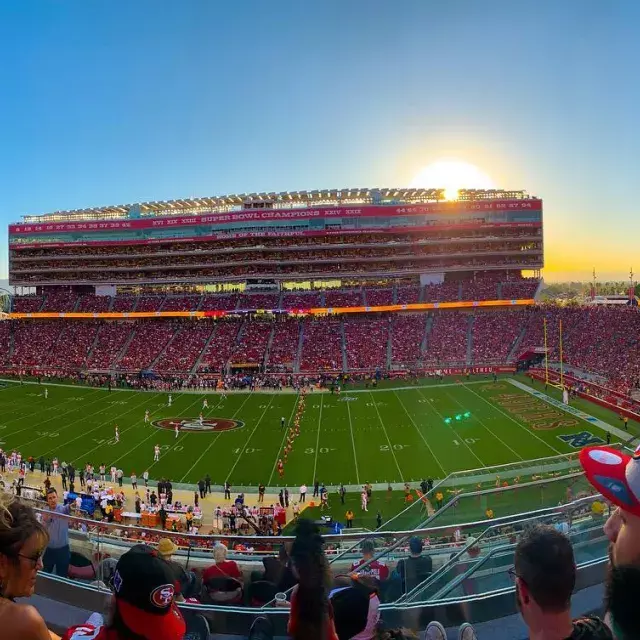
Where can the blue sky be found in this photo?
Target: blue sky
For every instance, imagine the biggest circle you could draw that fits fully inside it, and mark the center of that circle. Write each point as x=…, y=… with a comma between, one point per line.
x=116, y=102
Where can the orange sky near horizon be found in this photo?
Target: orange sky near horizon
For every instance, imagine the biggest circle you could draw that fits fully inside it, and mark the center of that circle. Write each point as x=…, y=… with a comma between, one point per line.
x=583, y=229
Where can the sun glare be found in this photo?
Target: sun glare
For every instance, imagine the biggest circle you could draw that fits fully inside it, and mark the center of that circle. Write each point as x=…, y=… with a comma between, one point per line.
x=451, y=175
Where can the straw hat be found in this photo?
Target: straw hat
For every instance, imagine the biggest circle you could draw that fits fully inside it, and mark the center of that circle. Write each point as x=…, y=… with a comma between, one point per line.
x=166, y=547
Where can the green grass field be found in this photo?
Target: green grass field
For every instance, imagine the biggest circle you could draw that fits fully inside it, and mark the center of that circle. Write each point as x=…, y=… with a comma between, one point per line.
x=361, y=436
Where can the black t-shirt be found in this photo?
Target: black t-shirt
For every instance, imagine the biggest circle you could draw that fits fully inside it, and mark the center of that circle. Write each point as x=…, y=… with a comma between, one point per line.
x=414, y=570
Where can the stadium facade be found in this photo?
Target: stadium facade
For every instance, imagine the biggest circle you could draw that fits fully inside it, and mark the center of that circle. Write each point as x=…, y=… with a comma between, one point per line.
x=358, y=280
x=287, y=240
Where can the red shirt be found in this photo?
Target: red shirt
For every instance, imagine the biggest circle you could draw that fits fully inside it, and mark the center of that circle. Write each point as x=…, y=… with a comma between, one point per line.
x=226, y=569
x=375, y=569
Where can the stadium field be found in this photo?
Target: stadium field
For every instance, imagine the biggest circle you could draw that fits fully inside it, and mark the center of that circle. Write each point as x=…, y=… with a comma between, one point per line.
x=379, y=436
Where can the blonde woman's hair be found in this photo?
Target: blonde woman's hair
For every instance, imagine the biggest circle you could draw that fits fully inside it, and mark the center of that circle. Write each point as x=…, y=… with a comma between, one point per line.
x=219, y=552
x=5, y=515
x=18, y=522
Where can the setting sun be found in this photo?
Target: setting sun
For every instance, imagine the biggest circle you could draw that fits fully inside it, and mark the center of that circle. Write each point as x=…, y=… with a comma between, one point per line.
x=451, y=175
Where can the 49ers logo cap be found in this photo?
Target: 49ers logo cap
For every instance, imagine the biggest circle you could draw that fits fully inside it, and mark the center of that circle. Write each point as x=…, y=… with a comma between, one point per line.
x=144, y=590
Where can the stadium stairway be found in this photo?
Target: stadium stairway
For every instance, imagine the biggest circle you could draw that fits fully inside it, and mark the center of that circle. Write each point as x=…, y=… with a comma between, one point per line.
x=343, y=343
x=95, y=342
x=296, y=363
x=125, y=346
x=166, y=346
x=513, y=352
x=389, y=346
x=267, y=350
x=12, y=344
x=240, y=333
x=61, y=332
x=470, y=339
x=427, y=332
x=196, y=364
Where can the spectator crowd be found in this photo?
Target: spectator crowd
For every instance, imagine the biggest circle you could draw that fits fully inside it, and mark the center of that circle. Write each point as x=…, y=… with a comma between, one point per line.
x=149, y=581
x=597, y=340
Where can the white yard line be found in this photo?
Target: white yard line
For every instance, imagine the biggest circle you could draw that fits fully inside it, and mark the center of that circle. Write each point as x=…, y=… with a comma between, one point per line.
x=346, y=392
x=56, y=417
x=151, y=435
x=393, y=453
x=235, y=464
x=315, y=462
x=44, y=406
x=498, y=438
x=570, y=409
x=69, y=386
x=70, y=424
x=420, y=434
x=213, y=441
x=286, y=431
x=112, y=420
x=353, y=444
x=430, y=405
x=506, y=415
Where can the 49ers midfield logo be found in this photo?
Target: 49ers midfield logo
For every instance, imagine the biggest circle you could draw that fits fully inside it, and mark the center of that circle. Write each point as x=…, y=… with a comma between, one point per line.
x=194, y=424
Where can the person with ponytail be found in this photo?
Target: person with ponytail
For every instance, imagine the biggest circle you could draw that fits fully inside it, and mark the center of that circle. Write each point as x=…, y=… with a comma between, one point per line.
x=311, y=615
x=23, y=540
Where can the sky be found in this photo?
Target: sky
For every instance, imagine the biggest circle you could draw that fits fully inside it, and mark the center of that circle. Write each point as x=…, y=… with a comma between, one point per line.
x=112, y=102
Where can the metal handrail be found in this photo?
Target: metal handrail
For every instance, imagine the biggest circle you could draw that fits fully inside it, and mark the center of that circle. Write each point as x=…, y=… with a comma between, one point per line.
x=547, y=512
x=513, y=487
x=469, y=572
x=506, y=520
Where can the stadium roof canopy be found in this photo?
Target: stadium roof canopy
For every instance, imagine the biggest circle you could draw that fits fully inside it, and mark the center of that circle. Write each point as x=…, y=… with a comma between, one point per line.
x=284, y=200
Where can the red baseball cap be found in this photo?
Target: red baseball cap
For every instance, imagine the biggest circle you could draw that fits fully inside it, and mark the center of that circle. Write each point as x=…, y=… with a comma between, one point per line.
x=616, y=475
x=144, y=590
